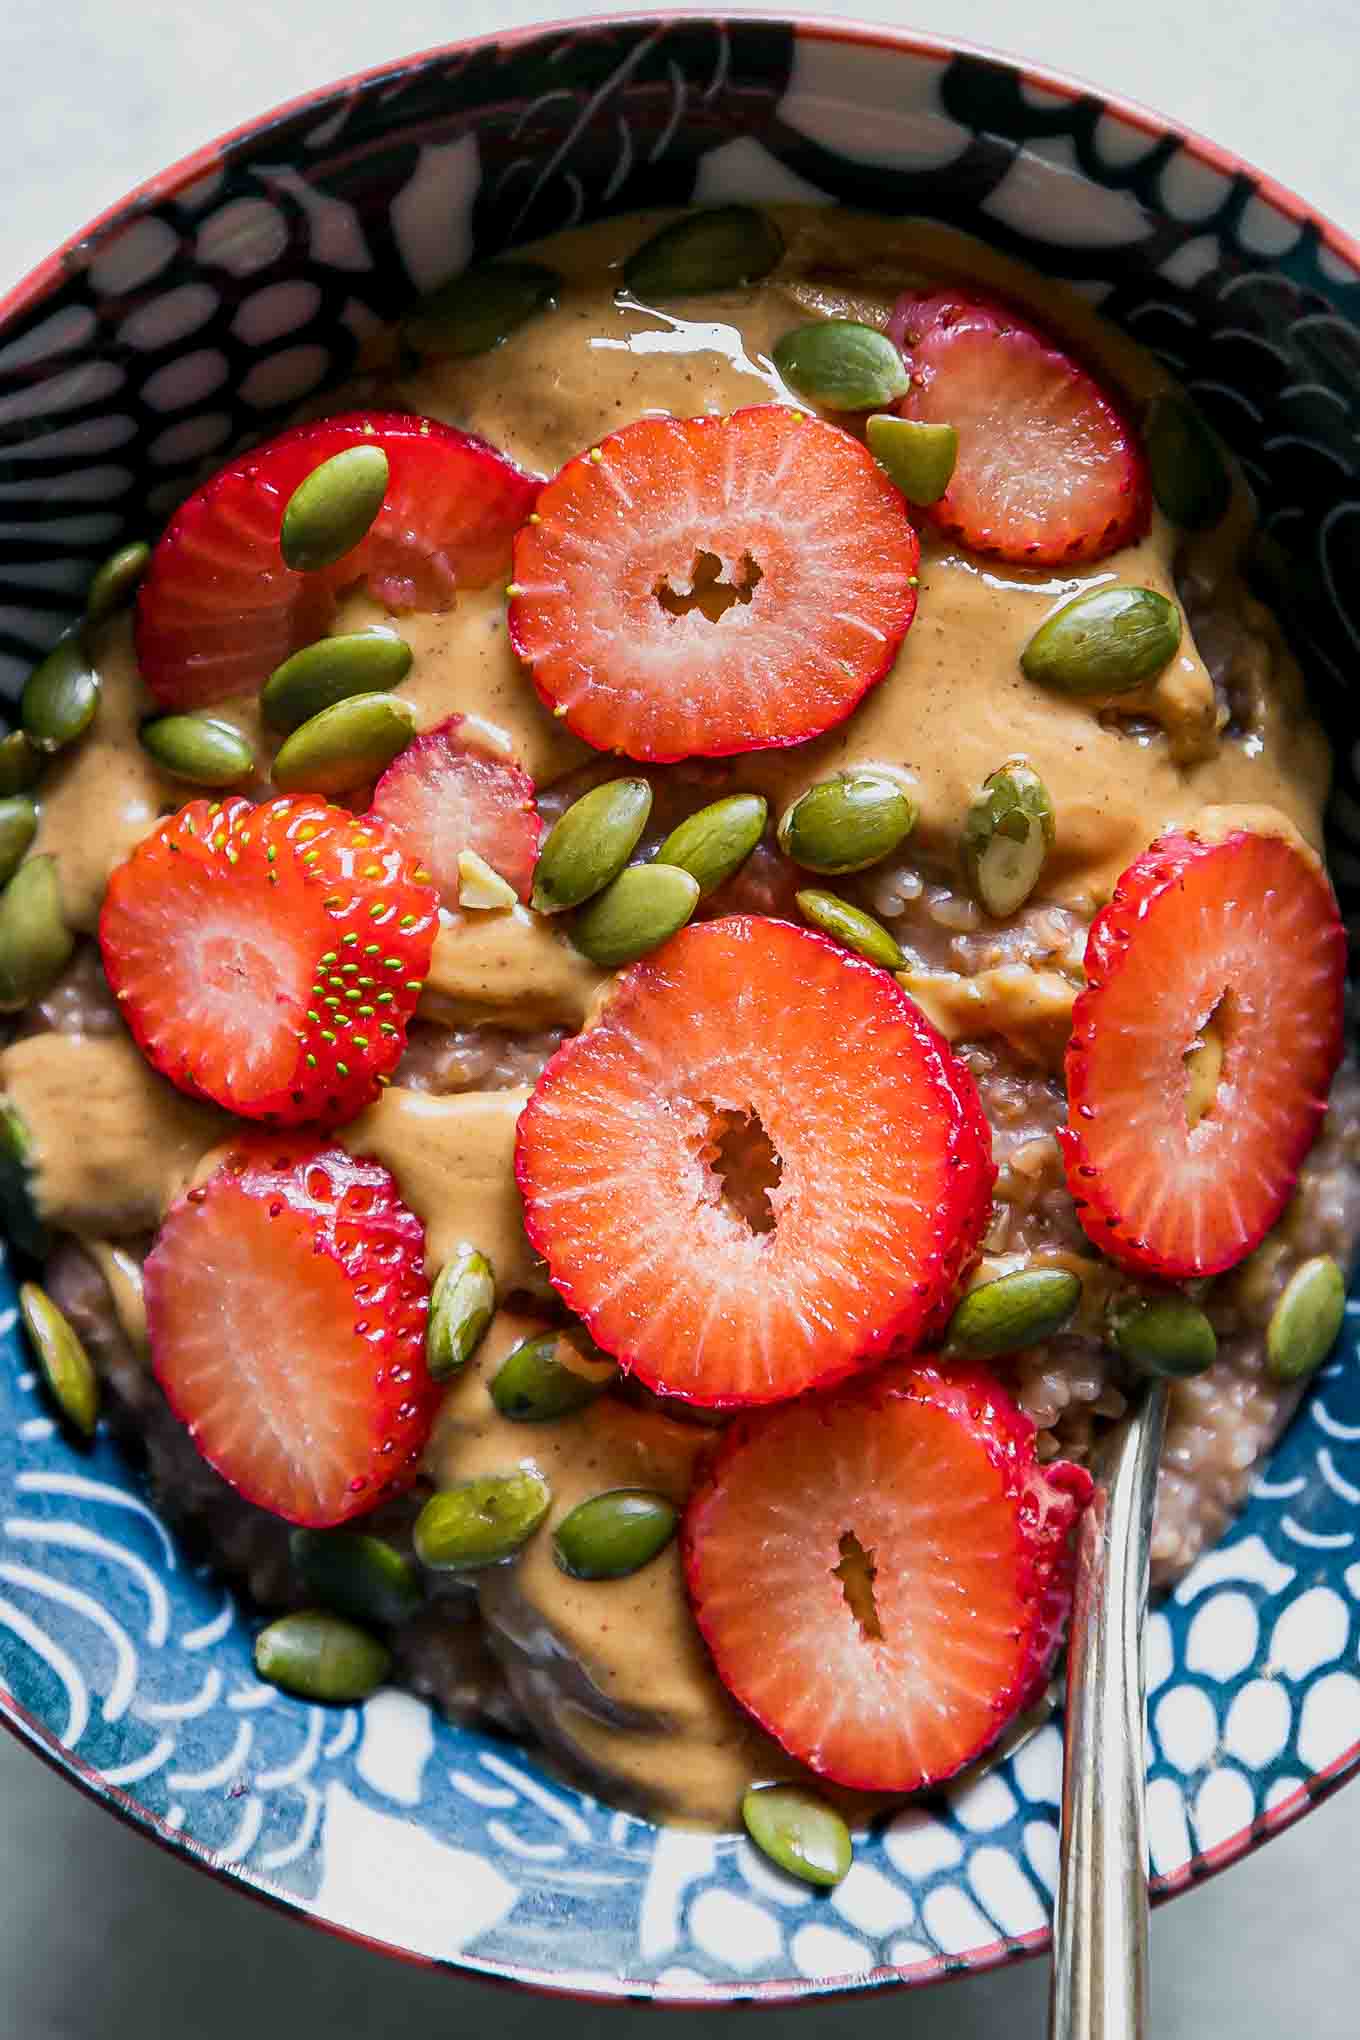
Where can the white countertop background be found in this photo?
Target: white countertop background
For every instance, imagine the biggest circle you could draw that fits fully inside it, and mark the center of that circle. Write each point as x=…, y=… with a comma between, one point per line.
x=102, y=1936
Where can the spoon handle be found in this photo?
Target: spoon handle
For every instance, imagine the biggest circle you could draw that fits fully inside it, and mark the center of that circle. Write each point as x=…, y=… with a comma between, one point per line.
x=1099, y=1989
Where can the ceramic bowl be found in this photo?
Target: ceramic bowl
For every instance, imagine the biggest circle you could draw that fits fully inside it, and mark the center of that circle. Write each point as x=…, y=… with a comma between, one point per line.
x=189, y=321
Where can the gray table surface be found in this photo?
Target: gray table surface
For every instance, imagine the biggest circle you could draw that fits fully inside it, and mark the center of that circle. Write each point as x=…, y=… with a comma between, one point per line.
x=103, y=1937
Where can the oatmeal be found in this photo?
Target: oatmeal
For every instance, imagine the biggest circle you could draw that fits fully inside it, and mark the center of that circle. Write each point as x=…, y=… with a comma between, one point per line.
x=610, y=1671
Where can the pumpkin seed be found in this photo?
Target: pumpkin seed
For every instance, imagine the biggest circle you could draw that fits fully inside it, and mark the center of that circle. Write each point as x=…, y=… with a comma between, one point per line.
x=35, y=942
x=844, y=923
x=1007, y=833
x=549, y=1376
x=642, y=909
x=1165, y=1335
x=60, y=696
x=798, y=1831
x=1108, y=641
x=482, y=1521
x=614, y=1534
x=589, y=844
x=357, y=1575
x=20, y=764
x=481, y=308
x=722, y=248
x=200, y=748
x=1305, y=1322
x=320, y=1656
x=1189, y=474
x=841, y=365
x=331, y=670
x=116, y=582
x=479, y=887
x=847, y=823
x=918, y=457
x=1015, y=1310
x=331, y=510
x=18, y=827
x=345, y=745
x=18, y=1201
x=462, y=1305
x=66, y=1366
x=716, y=841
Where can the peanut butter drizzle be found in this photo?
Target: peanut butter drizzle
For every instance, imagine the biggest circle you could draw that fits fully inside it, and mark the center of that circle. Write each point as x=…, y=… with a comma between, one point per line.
x=696, y=1753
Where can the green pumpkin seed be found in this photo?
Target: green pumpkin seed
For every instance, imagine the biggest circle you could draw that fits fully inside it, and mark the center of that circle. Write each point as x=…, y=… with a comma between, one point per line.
x=1015, y=1310
x=847, y=823
x=356, y=1575
x=35, y=942
x=481, y=308
x=589, y=844
x=481, y=1522
x=329, y=512
x=331, y=670
x=717, y=841
x=549, y=1376
x=1189, y=474
x=344, y=746
x=637, y=913
x=1165, y=1335
x=320, y=1656
x=1304, y=1323
x=1108, y=641
x=60, y=696
x=614, y=1534
x=462, y=1305
x=18, y=827
x=844, y=923
x=918, y=457
x=798, y=1831
x=20, y=764
x=200, y=748
x=66, y=1366
x=18, y=1201
x=1007, y=833
x=723, y=248
x=841, y=365
x=116, y=582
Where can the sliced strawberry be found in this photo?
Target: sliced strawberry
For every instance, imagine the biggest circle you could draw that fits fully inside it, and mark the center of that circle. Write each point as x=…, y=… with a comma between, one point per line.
x=218, y=610
x=286, y=1303
x=697, y=586
x=882, y=1574
x=269, y=958
x=761, y=1166
x=1050, y=470
x=443, y=796
x=1240, y=938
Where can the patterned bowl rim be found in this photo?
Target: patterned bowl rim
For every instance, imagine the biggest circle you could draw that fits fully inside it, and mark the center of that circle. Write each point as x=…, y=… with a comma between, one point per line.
x=27, y=295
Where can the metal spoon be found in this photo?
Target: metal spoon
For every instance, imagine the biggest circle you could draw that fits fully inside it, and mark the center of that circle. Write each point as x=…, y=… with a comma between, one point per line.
x=1100, y=1955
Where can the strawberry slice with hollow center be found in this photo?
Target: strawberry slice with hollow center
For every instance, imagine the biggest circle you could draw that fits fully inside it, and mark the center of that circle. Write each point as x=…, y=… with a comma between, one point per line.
x=882, y=1574
x=444, y=796
x=1228, y=954
x=1050, y=470
x=269, y=958
x=700, y=586
x=218, y=610
x=286, y=1303
x=761, y=1166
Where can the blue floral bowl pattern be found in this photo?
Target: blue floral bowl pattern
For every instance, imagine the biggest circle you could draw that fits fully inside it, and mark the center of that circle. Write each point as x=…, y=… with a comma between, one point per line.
x=193, y=319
